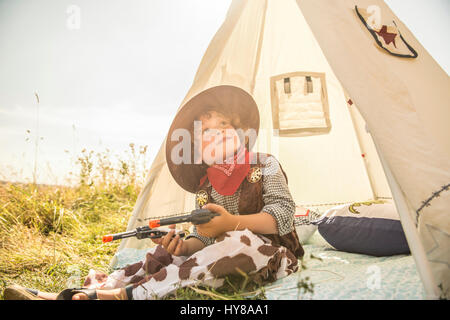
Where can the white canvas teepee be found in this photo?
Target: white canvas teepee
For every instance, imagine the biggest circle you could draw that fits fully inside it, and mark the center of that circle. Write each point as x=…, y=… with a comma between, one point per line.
x=347, y=120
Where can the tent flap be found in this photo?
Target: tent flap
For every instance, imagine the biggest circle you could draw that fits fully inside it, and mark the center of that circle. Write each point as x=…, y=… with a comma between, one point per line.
x=406, y=104
x=323, y=129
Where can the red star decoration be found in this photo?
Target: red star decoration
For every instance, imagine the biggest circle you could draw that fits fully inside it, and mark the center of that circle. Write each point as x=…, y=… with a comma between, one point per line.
x=387, y=37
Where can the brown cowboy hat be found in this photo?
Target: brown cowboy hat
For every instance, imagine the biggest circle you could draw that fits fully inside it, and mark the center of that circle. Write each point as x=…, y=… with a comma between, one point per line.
x=226, y=99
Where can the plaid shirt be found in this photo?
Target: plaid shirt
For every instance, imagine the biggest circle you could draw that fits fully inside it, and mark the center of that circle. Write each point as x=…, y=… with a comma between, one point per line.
x=277, y=199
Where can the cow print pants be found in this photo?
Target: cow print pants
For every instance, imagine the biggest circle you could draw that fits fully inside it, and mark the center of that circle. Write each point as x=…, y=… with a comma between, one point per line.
x=161, y=273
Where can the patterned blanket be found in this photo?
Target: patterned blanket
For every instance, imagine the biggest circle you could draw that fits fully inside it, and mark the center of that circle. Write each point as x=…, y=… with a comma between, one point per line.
x=336, y=275
x=348, y=276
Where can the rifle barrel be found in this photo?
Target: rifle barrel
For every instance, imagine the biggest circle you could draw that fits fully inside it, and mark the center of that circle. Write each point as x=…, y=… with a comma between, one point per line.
x=197, y=216
x=117, y=236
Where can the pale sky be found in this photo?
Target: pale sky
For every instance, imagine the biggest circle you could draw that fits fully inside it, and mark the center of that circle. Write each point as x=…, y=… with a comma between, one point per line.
x=118, y=73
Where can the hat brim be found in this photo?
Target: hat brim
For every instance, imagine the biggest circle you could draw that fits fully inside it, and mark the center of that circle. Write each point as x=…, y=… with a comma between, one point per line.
x=223, y=97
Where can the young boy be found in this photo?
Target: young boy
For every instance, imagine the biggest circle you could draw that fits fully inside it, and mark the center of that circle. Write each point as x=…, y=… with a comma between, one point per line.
x=254, y=232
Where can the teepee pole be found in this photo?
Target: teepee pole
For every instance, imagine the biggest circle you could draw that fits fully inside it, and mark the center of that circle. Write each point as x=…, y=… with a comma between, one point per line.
x=412, y=236
x=361, y=149
x=139, y=206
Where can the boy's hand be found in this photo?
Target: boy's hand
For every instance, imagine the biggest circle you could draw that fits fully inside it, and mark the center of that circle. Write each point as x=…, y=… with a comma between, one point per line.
x=217, y=225
x=173, y=245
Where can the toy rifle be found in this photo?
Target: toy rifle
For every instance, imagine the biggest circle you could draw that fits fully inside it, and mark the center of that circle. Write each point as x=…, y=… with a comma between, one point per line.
x=197, y=216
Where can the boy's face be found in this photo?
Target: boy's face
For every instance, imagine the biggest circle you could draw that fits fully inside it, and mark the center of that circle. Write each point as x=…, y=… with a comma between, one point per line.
x=219, y=138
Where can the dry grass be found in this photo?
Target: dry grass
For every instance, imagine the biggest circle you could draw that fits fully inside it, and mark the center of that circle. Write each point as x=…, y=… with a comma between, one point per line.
x=51, y=235
x=45, y=242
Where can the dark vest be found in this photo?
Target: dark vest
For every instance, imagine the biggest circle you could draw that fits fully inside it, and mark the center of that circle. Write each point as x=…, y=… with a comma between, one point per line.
x=251, y=201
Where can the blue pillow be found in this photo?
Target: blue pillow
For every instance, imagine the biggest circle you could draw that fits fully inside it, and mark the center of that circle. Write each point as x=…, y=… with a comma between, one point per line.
x=371, y=228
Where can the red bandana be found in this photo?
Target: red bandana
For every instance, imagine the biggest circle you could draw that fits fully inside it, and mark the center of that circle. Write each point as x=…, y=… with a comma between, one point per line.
x=226, y=178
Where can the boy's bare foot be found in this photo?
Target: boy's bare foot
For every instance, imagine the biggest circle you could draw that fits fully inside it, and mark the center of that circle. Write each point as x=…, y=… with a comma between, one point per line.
x=80, y=296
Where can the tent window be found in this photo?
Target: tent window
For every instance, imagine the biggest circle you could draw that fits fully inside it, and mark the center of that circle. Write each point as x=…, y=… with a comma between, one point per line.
x=300, y=103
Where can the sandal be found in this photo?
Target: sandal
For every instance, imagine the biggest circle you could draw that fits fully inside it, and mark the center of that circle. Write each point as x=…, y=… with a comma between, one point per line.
x=16, y=292
x=67, y=294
